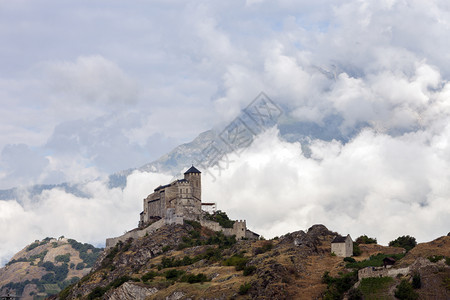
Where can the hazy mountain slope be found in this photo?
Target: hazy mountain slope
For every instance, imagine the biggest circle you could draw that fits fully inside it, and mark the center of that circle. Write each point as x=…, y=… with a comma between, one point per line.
x=194, y=152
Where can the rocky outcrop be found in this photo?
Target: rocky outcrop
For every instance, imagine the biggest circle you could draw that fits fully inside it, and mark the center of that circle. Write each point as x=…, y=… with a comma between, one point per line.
x=130, y=257
x=308, y=242
x=132, y=291
x=273, y=277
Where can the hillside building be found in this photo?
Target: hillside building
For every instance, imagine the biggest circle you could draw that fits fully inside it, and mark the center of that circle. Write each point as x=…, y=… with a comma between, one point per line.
x=342, y=246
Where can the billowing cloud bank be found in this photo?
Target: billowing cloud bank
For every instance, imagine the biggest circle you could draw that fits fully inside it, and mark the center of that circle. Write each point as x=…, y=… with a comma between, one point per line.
x=375, y=184
x=79, y=92
x=104, y=213
x=374, y=74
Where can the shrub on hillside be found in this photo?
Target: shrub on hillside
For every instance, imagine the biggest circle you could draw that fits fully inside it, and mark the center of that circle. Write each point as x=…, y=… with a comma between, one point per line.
x=238, y=261
x=355, y=294
x=49, y=266
x=364, y=239
x=63, y=258
x=173, y=274
x=195, y=224
x=349, y=259
x=250, y=270
x=149, y=276
x=221, y=218
x=356, y=250
x=32, y=246
x=337, y=286
x=267, y=246
x=435, y=258
x=370, y=287
x=191, y=278
x=416, y=281
x=406, y=241
x=88, y=253
x=98, y=292
x=405, y=291
x=244, y=288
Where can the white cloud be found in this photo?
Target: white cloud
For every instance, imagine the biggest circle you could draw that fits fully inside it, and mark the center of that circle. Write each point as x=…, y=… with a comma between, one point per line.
x=92, y=79
x=105, y=213
x=375, y=184
x=92, y=90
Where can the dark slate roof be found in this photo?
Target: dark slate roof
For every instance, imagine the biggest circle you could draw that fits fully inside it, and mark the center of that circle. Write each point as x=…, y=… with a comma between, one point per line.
x=182, y=180
x=192, y=170
x=252, y=232
x=389, y=259
x=339, y=239
x=161, y=187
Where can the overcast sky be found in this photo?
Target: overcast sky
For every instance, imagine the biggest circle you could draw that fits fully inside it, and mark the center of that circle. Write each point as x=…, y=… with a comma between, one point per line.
x=88, y=88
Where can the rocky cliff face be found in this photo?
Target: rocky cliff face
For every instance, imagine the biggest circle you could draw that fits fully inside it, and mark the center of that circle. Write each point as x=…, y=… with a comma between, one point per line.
x=192, y=262
x=132, y=291
x=188, y=261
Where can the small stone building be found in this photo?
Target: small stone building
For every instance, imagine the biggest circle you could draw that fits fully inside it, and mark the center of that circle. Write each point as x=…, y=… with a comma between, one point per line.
x=388, y=262
x=342, y=246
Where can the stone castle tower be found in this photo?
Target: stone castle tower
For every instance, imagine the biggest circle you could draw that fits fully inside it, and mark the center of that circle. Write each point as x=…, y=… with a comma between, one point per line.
x=194, y=177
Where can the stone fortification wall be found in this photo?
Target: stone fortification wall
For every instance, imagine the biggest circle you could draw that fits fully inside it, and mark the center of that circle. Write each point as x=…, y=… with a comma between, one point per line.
x=239, y=228
x=214, y=226
x=135, y=234
x=381, y=272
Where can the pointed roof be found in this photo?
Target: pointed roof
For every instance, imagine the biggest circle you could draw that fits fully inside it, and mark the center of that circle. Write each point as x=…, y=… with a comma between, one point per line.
x=192, y=170
x=340, y=239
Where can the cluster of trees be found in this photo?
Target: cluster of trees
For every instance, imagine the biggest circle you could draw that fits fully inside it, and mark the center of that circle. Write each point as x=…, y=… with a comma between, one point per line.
x=222, y=218
x=56, y=273
x=88, y=253
x=195, y=238
x=405, y=241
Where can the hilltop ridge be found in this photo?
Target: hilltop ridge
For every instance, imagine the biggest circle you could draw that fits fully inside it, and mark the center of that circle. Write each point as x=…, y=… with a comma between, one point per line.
x=189, y=261
x=45, y=267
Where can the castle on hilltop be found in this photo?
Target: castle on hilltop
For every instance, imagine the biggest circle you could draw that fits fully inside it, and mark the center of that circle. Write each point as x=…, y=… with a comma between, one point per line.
x=182, y=197
x=178, y=201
